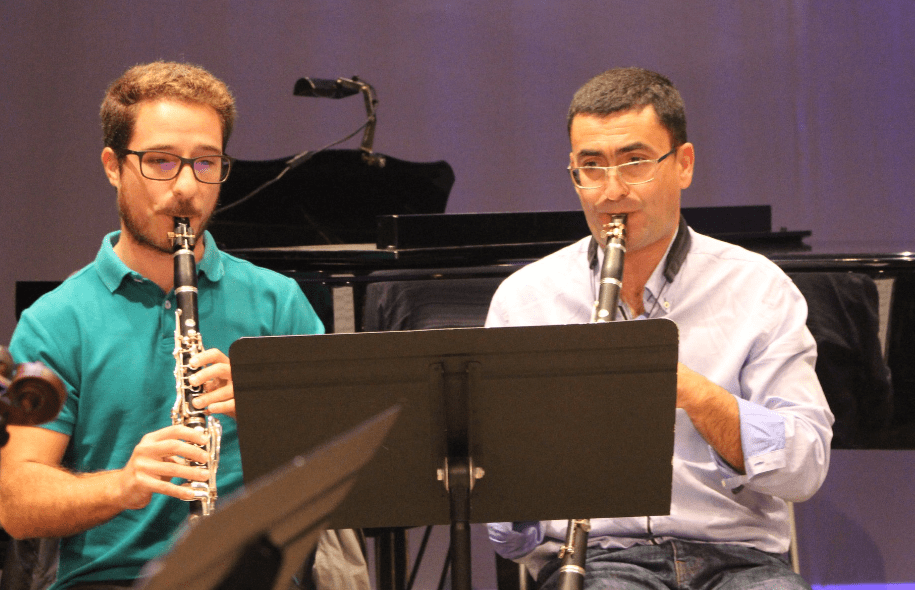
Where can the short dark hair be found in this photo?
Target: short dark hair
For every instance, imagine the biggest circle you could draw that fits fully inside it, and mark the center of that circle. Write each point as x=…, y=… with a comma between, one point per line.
x=162, y=80
x=624, y=89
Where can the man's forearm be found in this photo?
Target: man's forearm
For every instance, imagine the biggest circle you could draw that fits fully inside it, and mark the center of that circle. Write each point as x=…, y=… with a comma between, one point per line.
x=715, y=414
x=38, y=500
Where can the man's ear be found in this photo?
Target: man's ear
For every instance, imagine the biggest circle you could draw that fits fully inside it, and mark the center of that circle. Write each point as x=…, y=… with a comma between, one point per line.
x=686, y=158
x=112, y=167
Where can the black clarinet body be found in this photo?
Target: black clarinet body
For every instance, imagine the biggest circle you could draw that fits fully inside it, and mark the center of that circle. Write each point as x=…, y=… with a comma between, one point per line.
x=611, y=274
x=189, y=342
x=574, y=552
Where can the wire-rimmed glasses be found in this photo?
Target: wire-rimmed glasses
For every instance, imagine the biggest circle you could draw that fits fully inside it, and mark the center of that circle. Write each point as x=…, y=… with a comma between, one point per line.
x=595, y=177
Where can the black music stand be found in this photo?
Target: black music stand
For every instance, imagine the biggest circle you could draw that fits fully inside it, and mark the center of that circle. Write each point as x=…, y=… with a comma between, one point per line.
x=539, y=423
x=264, y=534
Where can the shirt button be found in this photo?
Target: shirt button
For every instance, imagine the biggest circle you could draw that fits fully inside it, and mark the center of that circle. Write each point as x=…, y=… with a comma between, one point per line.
x=168, y=305
x=666, y=305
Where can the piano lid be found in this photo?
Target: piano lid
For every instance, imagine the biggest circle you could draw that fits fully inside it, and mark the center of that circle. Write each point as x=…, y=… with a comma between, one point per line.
x=749, y=226
x=334, y=197
x=463, y=239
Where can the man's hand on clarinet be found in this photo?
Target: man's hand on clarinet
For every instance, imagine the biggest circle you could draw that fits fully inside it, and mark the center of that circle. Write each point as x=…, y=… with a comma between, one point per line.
x=156, y=460
x=215, y=375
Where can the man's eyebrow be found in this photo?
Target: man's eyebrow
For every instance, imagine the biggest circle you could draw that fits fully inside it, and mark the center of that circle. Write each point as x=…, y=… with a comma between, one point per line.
x=171, y=149
x=626, y=149
x=633, y=147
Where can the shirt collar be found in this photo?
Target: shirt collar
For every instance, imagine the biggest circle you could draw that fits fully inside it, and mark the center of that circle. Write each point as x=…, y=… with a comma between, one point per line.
x=662, y=274
x=211, y=265
x=113, y=271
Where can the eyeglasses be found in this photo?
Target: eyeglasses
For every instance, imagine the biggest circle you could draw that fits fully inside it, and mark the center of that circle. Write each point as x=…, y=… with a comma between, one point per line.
x=638, y=172
x=165, y=166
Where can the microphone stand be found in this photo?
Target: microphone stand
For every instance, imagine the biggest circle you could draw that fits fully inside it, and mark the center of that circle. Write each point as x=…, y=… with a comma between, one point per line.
x=340, y=88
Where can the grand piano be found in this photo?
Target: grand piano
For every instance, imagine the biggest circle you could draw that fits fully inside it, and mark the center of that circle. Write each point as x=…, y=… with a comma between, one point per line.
x=384, y=256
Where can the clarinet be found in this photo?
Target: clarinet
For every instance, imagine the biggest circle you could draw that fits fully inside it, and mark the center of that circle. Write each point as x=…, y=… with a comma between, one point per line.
x=611, y=273
x=188, y=343
x=574, y=551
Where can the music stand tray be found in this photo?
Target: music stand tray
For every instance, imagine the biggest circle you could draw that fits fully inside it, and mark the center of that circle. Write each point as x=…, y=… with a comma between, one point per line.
x=547, y=422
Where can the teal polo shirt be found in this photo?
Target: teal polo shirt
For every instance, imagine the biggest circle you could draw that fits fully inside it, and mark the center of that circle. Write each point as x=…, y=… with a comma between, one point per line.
x=108, y=332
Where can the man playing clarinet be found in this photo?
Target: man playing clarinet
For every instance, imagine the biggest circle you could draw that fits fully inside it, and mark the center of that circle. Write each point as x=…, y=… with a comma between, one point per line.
x=753, y=428
x=107, y=475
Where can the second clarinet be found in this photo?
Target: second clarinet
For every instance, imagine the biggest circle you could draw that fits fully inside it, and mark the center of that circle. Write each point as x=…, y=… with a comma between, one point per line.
x=574, y=551
x=611, y=274
x=188, y=343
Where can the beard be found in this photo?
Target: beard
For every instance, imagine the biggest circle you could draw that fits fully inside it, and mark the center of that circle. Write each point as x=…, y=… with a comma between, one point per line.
x=141, y=232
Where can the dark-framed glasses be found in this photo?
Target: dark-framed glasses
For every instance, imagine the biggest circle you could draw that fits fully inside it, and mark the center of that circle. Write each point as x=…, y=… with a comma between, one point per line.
x=637, y=172
x=156, y=165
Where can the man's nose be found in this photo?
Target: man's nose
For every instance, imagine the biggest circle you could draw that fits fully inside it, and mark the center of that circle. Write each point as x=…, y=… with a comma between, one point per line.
x=615, y=189
x=186, y=182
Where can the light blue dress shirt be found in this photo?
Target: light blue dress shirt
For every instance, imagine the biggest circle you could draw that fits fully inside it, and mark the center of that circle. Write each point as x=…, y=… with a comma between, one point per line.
x=742, y=324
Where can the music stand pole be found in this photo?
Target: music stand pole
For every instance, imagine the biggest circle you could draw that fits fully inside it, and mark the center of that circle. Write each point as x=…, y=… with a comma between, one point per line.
x=456, y=384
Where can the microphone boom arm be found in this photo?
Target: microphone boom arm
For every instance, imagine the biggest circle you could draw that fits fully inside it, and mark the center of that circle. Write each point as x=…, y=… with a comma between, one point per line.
x=341, y=88
x=368, y=136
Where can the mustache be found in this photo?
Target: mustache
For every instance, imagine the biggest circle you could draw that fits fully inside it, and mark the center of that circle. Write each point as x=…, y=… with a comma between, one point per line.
x=182, y=212
x=181, y=208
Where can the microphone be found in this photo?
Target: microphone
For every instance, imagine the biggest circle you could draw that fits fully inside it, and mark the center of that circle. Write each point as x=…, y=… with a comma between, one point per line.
x=322, y=88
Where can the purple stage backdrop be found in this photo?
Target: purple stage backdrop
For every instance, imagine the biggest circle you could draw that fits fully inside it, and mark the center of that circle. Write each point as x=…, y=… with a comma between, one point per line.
x=804, y=105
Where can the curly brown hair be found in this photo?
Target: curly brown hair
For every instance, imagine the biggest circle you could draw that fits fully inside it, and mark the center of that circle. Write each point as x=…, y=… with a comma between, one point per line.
x=162, y=80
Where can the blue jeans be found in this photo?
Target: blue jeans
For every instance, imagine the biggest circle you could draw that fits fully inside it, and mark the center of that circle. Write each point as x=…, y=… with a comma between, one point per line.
x=681, y=565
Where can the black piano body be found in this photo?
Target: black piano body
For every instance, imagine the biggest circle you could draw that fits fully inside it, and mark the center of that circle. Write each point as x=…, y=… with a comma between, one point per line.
x=440, y=270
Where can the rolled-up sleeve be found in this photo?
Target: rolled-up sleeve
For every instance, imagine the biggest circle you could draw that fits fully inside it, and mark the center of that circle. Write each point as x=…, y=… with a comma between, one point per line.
x=513, y=540
x=785, y=421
